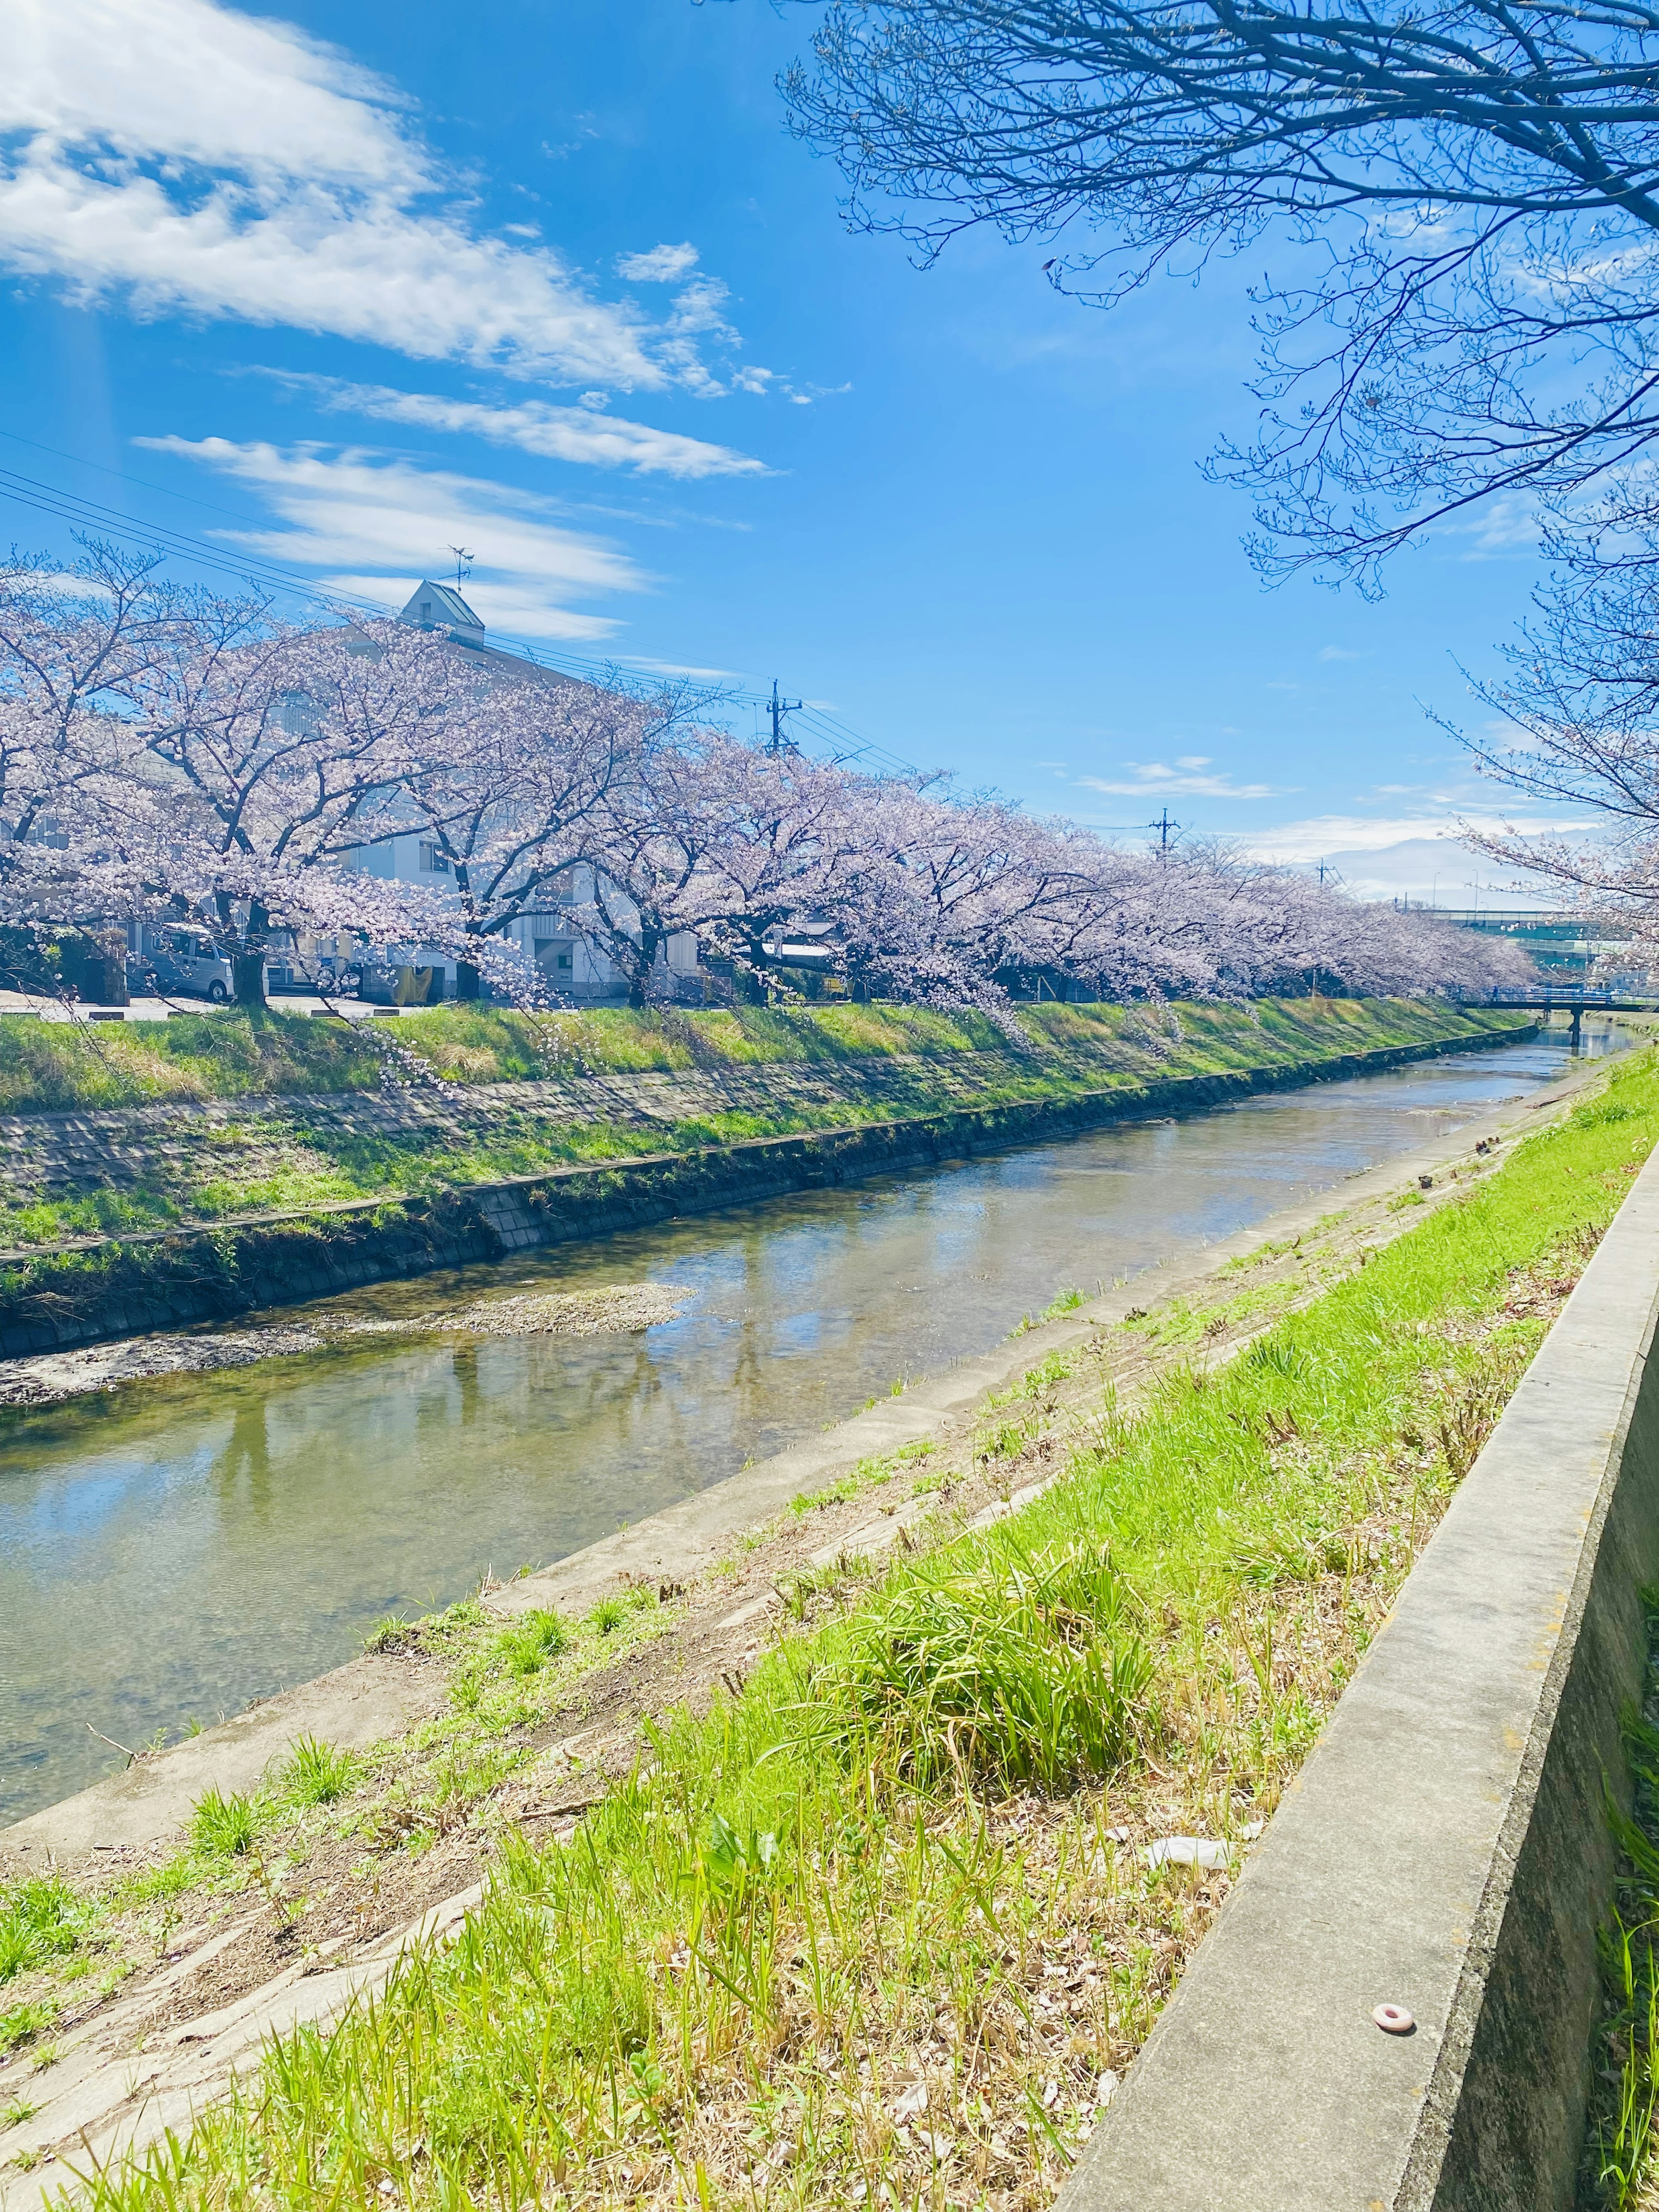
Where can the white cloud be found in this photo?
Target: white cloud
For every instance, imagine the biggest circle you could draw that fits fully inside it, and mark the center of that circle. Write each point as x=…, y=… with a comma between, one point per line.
x=1323, y=834
x=374, y=527
x=1415, y=856
x=186, y=158
x=1340, y=652
x=1188, y=778
x=677, y=668
x=662, y=265
x=584, y=433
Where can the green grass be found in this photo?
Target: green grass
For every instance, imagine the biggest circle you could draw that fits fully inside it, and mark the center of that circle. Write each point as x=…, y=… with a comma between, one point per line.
x=316, y=1773
x=288, y=1158
x=39, y=1917
x=228, y=1054
x=820, y=1890
x=223, y=1827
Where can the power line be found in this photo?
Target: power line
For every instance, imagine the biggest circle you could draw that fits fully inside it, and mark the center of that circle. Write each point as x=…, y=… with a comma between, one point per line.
x=845, y=746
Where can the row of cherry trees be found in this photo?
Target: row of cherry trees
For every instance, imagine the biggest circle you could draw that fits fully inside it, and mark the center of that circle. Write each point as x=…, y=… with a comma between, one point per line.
x=165, y=754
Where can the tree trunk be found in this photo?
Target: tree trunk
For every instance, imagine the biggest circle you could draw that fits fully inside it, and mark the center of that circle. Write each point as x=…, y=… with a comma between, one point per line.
x=247, y=979
x=469, y=982
x=247, y=967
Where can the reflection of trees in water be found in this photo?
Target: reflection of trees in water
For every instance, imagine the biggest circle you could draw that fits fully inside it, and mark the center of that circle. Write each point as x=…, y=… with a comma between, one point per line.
x=242, y=1467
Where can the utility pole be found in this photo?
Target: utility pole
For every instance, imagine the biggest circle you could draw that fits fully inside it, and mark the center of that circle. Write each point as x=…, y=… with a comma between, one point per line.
x=779, y=708
x=1163, y=825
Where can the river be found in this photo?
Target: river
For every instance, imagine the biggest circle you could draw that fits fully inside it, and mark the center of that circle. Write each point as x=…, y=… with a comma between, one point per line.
x=177, y=1548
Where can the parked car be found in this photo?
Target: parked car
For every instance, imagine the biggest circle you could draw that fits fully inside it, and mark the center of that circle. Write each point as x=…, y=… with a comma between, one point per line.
x=182, y=959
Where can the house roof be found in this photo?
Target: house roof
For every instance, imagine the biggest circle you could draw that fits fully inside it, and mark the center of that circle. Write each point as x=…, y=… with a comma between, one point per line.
x=441, y=606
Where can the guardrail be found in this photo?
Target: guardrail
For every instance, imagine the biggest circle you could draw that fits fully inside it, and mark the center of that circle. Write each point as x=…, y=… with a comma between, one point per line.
x=1445, y=1850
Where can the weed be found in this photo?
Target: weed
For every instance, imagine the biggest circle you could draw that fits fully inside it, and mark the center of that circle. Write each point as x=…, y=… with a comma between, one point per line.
x=1014, y=1668
x=527, y=1647
x=38, y=1916
x=608, y=1615
x=170, y=1879
x=867, y=1475
x=391, y=1633
x=317, y=1773
x=24, y=2022
x=222, y=1827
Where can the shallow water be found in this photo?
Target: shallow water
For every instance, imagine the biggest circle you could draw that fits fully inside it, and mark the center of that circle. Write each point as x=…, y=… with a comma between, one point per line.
x=181, y=1546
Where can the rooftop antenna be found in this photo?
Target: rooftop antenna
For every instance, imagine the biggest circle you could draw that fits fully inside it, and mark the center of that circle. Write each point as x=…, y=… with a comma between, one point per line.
x=462, y=563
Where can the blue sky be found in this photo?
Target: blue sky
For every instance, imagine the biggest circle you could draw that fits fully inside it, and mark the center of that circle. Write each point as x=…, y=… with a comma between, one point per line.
x=553, y=282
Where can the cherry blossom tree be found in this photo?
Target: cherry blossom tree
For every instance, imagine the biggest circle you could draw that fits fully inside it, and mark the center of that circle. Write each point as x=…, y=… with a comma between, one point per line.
x=502, y=791
x=78, y=646
x=166, y=754
x=269, y=749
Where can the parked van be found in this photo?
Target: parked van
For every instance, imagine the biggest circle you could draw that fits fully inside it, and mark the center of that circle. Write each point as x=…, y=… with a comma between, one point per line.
x=182, y=959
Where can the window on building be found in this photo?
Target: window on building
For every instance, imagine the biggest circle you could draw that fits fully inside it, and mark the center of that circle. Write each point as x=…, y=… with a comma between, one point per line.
x=434, y=861
x=554, y=952
x=296, y=711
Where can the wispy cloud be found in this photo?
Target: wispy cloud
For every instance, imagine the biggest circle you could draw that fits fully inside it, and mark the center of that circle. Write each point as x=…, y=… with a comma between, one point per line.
x=662, y=265
x=1340, y=652
x=374, y=527
x=1193, y=775
x=677, y=668
x=1321, y=836
x=184, y=157
x=585, y=433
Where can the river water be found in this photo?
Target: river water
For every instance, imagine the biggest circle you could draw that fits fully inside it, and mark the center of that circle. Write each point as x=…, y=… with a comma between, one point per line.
x=177, y=1548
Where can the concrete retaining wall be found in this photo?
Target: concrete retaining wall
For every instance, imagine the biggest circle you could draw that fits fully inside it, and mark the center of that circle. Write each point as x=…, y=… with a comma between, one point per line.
x=170, y=1278
x=1445, y=1848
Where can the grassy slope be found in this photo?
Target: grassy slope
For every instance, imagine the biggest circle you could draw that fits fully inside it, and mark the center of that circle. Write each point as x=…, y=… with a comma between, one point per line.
x=51, y=1066
x=283, y=1159
x=866, y=1926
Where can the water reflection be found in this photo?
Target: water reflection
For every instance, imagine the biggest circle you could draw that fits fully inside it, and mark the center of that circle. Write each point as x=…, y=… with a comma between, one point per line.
x=181, y=1547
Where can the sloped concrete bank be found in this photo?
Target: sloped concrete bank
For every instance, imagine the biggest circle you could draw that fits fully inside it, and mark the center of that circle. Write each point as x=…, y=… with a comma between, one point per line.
x=165, y=1279
x=1446, y=1848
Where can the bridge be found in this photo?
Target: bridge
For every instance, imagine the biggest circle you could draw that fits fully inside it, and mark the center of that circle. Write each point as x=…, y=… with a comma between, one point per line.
x=1576, y=1003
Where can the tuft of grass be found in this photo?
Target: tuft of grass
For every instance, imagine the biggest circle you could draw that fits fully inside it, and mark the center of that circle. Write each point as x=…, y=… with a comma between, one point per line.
x=868, y=1474
x=1012, y=1668
x=391, y=1633
x=316, y=1773
x=529, y=1644
x=24, y=2022
x=39, y=1917
x=223, y=1827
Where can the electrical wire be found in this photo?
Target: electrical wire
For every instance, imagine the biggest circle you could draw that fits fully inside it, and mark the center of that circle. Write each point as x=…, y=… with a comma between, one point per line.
x=845, y=746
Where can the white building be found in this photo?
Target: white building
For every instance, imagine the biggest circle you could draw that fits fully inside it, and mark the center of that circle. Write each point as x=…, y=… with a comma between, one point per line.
x=576, y=968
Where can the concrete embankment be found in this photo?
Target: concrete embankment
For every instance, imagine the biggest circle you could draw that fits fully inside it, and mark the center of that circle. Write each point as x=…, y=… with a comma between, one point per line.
x=66, y=1296
x=1446, y=1849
